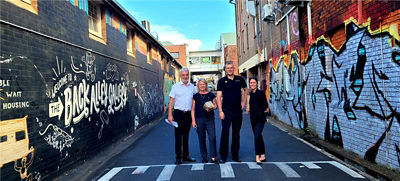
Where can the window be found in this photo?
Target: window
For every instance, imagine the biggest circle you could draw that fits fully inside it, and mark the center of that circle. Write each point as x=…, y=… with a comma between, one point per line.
x=108, y=17
x=205, y=59
x=215, y=60
x=3, y=138
x=247, y=33
x=168, y=66
x=242, y=42
x=129, y=42
x=20, y=135
x=94, y=19
x=175, y=54
x=148, y=53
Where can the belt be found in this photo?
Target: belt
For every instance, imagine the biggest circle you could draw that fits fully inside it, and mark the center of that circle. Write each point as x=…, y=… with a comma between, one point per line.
x=181, y=110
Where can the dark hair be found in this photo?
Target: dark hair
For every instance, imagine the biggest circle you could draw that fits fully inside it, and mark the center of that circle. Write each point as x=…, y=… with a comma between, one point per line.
x=253, y=77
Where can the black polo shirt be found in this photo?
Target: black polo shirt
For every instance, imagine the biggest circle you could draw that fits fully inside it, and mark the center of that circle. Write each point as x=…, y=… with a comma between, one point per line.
x=231, y=92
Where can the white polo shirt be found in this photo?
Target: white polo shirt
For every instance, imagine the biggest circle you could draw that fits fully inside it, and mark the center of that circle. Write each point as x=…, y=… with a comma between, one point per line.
x=183, y=95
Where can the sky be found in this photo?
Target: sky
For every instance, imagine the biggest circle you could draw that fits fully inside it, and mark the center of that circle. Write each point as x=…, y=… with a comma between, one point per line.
x=198, y=23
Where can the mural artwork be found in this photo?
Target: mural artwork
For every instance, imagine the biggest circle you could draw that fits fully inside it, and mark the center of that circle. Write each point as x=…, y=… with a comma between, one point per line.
x=358, y=80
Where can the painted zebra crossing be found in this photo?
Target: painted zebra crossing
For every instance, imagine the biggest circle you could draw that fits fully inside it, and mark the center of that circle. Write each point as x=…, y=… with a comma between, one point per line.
x=227, y=171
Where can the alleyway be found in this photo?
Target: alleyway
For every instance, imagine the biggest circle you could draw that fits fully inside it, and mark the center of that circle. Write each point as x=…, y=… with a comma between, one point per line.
x=152, y=158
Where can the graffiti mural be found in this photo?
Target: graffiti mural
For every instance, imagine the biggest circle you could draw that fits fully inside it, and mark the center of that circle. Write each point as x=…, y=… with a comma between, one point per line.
x=74, y=99
x=355, y=85
x=168, y=83
x=14, y=146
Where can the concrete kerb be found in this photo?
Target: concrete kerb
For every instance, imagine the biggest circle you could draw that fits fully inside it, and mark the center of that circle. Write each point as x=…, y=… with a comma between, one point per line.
x=89, y=167
x=321, y=145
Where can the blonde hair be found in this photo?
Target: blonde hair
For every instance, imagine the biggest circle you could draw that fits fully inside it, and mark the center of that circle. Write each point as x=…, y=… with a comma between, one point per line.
x=198, y=83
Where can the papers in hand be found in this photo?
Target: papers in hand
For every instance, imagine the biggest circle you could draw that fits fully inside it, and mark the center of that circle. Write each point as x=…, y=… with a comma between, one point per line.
x=175, y=124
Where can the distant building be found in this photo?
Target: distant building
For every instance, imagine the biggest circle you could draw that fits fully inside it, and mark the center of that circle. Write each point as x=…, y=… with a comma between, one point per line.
x=178, y=52
x=229, y=50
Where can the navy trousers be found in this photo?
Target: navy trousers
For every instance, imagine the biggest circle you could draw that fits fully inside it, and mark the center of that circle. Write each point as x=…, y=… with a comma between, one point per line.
x=206, y=126
x=236, y=120
x=258, y=126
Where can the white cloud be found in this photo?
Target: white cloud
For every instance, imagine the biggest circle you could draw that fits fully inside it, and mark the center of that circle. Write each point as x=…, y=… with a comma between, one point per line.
x=168, y=33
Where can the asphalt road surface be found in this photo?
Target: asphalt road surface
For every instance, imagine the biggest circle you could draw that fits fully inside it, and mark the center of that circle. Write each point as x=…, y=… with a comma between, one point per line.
x=152, y=157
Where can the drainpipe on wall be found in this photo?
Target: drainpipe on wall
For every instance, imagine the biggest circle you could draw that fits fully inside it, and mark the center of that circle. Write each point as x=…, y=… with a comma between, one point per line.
x=309, y=23
x=359, y=10
x=309, y=20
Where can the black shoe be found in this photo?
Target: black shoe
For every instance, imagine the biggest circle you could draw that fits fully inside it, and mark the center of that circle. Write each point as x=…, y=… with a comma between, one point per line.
x=204, y=161
x=214, y=161
x=222, y=161
x=259, y=163
x=265, y=160
x=189, y=159
x=236, y=160
x=178, y=161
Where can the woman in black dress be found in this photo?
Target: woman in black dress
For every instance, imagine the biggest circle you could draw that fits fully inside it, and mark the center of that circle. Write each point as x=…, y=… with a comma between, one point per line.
x=258, y=105
x=203, y=119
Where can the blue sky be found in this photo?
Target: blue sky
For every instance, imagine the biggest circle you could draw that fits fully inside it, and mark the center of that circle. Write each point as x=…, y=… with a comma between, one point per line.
x=198, y=23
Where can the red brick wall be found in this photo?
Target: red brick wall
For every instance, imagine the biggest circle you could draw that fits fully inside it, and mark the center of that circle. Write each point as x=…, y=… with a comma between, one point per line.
x=181, y=49
x=230, y=54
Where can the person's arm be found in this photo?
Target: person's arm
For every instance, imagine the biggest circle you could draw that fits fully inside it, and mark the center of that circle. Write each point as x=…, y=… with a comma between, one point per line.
x=194, y=125
x=264, y=103
x=219, y=101
x=245, y=92
x=170, y=106
x=215, y=103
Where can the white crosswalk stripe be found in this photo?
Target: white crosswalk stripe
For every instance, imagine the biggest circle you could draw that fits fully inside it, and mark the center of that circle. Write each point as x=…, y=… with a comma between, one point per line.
x=110, y=174
x=140, y=170
x=346, y=169
x=253, y=165
x=227, y=171
x=289, y=172
x=166, y=173
x=198, y=166
x=310, y=165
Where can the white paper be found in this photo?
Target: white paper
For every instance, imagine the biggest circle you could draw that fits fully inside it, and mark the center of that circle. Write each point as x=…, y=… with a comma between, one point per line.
x=175, y=124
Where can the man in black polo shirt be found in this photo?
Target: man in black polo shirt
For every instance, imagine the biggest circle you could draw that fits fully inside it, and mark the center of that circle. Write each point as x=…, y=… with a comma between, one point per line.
x=230, y=106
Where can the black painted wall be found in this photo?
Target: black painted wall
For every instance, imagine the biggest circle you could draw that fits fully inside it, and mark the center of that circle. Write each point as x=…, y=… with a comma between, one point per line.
x=62, y=90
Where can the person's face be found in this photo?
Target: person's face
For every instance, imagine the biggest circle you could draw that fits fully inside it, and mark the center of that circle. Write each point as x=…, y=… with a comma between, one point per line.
x=229, y=69
x=185, y=77
x=202, y=86
x=253, y=84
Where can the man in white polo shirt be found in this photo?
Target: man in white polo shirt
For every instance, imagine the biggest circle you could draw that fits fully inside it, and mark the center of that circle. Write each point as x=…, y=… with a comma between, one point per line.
x=181, y=101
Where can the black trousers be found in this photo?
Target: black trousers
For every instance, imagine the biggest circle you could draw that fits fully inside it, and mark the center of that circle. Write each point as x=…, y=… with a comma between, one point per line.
x=184, y=121
x=258, y=126
x=206, y=125
x=236, y=120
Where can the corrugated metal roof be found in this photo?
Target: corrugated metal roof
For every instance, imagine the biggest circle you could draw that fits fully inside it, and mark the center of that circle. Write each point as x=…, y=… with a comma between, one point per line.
x=228, y=38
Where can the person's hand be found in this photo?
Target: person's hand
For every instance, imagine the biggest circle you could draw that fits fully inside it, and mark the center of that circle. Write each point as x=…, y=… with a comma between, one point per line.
x=170, y=118
x=194, y=125
x=221, y=115
x=243, y=104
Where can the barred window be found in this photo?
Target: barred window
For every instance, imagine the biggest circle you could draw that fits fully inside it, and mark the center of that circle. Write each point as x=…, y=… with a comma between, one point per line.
x=94, y=19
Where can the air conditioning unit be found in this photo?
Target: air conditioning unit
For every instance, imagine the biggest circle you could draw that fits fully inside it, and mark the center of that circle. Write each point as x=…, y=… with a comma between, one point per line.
x=268, y=13
x=251, y=8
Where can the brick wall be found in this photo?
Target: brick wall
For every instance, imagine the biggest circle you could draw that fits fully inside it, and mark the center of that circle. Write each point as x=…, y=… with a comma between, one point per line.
x=342, y=81
x=70, y=96
x=230, y=54
x=181, y=49
x=246, y=41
